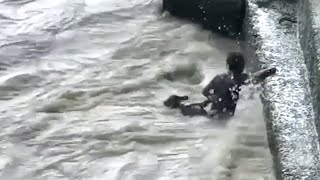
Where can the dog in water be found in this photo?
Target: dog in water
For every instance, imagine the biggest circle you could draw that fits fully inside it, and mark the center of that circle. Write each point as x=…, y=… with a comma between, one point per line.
x=223, y=90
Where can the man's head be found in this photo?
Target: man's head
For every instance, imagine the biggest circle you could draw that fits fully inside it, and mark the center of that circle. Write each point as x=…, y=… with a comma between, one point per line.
x=235, y=62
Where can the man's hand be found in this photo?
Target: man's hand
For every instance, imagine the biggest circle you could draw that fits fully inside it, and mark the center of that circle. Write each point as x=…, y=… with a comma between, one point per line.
x=212, y=98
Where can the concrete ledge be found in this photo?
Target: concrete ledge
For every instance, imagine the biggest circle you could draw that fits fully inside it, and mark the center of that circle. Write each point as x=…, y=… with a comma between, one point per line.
x=309, y=34
x=286, y=97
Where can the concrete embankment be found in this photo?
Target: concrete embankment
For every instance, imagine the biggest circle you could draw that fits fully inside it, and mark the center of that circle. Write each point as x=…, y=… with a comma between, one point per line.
x=272, y=34
x=282, y=34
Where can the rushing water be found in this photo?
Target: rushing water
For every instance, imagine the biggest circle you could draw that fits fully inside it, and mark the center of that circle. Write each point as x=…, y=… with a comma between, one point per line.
x=81, y=90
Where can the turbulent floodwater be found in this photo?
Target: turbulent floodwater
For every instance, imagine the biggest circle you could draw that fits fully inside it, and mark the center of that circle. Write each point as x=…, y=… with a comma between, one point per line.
x=81, y=90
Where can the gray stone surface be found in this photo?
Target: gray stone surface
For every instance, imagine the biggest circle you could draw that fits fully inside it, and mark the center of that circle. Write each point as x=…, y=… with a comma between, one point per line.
x=287, y=100
x=309, y=27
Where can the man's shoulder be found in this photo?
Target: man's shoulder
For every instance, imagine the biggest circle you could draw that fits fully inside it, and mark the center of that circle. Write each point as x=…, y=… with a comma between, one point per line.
x=222, y=80
x=222, y=76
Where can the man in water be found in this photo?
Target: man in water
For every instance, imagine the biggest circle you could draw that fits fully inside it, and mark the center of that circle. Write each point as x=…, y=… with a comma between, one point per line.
x=222, y=91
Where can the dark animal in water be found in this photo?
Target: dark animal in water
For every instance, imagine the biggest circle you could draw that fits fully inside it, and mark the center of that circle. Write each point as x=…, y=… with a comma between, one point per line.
x=175, y=101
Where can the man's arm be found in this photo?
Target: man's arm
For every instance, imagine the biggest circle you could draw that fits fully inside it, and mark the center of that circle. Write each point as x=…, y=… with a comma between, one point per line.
x=202, y=104
x=245, y=79
x=258, y=76
x=263, y=74
x=206, y=90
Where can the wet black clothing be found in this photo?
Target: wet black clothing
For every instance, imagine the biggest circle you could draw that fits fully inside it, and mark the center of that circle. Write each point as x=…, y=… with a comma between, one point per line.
x=223, y=91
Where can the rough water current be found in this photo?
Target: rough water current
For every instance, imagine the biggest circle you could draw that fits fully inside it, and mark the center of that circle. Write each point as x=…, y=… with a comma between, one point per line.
x=81, y=90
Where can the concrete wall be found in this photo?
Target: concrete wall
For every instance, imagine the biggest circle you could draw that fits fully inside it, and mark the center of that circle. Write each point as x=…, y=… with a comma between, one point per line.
x=221, y=16
x=309, y=36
